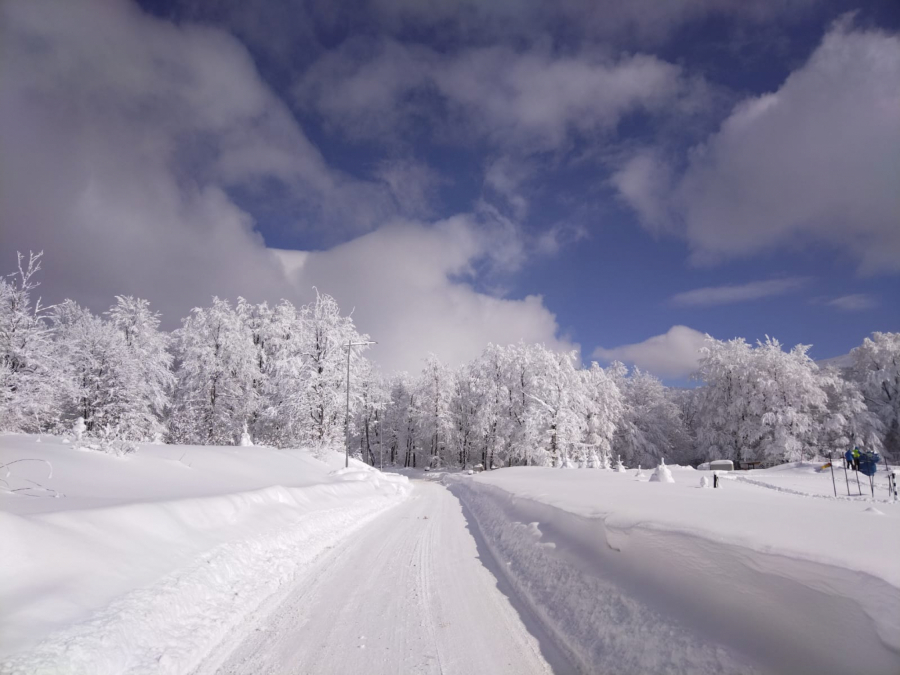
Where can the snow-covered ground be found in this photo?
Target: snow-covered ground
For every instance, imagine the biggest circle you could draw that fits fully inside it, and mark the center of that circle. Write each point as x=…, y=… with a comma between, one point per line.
x=201, y=560
x=413, y=593
x=636, y=576
x=144, y=563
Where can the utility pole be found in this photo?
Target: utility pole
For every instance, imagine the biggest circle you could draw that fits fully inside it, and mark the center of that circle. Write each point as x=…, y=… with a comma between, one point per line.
x=350, y=346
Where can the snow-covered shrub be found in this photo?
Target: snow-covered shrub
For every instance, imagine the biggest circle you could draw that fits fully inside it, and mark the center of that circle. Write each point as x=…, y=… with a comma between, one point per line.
x=662, y=474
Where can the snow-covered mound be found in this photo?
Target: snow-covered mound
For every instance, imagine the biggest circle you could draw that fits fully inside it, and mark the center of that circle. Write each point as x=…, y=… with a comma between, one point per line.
x=143, y=563
x=726, y=580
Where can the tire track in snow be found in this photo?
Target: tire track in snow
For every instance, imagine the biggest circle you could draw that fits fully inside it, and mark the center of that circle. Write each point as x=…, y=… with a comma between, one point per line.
x=408, y=595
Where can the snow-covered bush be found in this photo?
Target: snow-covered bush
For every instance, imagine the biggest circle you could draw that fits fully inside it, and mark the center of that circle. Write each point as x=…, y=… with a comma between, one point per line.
x=662, y=474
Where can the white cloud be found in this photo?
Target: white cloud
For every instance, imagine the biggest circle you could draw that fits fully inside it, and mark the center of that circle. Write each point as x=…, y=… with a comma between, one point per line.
x=120, y=169
x=122, y=136
x=724, y=295
x=530, y=100
x=817, y=160
x=645, y=182
x=854, y=303
x=675, y=353
x=408, y=285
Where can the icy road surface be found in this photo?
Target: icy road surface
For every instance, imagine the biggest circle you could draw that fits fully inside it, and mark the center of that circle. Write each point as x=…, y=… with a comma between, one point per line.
x=412, y=593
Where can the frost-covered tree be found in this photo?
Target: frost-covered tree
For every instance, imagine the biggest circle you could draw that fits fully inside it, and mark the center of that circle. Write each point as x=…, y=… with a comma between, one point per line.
x=651, y=426
x=490, y=385
x=400, y=430
x=104, y=377
x=216, y=368
x=525, y=424
x=847, y=421
x=29, y=373
x=560, y=404
x=371, y=397
x=876, y=369
x=433, y=420
x=758, y=404
x=603, y=409
x=147, y=353
x=322, y=396
x=464, y=414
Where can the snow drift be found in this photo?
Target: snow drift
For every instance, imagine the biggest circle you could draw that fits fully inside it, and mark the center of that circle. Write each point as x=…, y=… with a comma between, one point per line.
x=146, y=562
x=727, y=580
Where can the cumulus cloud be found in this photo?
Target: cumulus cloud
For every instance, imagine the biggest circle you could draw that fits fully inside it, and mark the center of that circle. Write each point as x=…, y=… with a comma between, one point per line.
x=645, y=182
x=422, y=300
x=725, y=295
x=122, y=141
x=675, y=353
x=817, y=160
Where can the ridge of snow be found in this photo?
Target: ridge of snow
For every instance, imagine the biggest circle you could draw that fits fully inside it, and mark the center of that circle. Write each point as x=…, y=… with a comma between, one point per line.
x=153, y=585
x=770, y=578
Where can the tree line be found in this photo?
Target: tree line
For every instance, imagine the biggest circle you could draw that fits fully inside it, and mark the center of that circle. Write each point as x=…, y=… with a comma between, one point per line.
x=277, y=374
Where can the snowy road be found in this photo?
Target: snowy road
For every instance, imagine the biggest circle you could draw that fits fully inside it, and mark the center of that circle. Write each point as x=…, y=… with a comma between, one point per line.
x=413, y=593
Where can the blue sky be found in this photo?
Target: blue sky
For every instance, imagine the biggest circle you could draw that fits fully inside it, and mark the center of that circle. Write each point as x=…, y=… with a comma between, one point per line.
x=616, y=177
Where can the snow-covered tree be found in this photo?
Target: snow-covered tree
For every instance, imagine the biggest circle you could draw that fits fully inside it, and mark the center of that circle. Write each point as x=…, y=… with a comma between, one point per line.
x=876, y=369
x=147, y=353
x=104, y=378
x=29, y=373
x=603, y=409
x=322, y=397
x=372, y=396
x=496, y=412
x=216, y=369
x=560, y=404
x=434, y=422
x=758, y=404
x=464, y=414
x=847, y=421
x=651, y=426
x=400, y=430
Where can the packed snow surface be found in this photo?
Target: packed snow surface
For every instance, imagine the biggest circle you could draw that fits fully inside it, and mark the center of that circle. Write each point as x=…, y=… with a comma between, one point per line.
x=635, y=576
x=412, y=593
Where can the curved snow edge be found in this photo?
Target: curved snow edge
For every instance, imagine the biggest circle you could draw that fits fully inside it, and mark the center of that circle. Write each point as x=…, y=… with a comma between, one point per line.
x=604, y=592
x=169, y=625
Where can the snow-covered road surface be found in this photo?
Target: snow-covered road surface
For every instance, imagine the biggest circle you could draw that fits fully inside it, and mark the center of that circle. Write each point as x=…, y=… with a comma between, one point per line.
x=413, y=592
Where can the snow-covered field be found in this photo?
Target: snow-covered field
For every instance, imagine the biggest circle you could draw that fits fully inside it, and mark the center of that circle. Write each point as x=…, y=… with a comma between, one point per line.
x=144, y=563
x=184, y=559
x=636, y=576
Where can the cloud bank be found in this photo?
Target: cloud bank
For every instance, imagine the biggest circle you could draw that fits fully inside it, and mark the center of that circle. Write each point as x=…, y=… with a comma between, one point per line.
x=816, y=161
x=675, y=353
x=123, y=141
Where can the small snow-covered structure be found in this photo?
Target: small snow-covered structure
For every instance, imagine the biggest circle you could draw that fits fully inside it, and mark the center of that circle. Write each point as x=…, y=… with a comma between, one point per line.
x=246, y=441
x=639, y=473
x=721, y=465
x=620, y=468
x=704, y=482
x=79, y=428
x=662, y=474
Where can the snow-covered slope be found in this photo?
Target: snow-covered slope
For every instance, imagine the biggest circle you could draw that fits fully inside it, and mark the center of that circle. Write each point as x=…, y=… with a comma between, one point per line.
x=612, y=562
x=143, y=563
